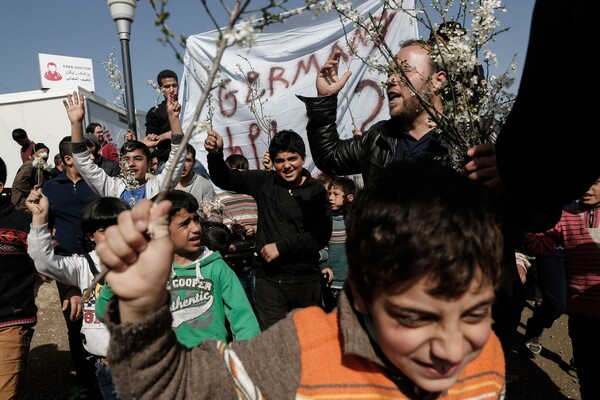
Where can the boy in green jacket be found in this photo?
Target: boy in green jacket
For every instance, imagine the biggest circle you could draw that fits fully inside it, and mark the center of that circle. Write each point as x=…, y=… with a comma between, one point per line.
x=204, y=289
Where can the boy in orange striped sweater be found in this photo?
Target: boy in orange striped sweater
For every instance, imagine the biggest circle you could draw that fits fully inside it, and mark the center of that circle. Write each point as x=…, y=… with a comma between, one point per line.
x=414, y=321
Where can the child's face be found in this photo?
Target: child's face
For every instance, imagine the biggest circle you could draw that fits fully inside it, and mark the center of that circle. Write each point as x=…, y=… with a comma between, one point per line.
x=137, y=164
x=185, y=232
x=592, y=196
x=169, y=87
x=289, y=167
x=337, y=199
x=188, y=164
x=99, y=235
x=431, y=339
x=154, y=165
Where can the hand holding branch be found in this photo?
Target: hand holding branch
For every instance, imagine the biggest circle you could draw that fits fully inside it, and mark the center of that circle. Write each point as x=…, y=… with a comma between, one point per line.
x=138, y=253
x=38, y=206
x=482, y=166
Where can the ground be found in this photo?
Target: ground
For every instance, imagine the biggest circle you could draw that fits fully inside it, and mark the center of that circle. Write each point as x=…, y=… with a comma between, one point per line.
x=547, y=376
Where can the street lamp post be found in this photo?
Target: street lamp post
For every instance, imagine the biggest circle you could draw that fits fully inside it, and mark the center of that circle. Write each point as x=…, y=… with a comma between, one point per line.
x=122, y=12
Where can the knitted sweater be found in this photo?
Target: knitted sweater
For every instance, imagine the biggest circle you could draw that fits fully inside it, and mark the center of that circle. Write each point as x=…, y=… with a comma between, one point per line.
x=17, y=273
x=579, y=228
x=336, y=257
x=306, y=355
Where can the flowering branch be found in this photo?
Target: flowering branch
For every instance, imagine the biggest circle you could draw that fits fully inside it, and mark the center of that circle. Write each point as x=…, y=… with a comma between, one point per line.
x=114, y=79
x=257, y=103
x=40, y=165
x=475, y=103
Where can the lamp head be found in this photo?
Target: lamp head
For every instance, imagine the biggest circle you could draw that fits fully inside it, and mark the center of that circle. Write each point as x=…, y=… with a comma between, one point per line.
x=122, y=12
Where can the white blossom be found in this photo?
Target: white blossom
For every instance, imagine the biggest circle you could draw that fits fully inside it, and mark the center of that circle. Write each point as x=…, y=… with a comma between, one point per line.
x=242, y=33
x=114, y=79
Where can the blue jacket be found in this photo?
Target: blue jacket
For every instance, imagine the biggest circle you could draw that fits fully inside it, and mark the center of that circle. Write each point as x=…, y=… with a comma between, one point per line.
x=67, y=199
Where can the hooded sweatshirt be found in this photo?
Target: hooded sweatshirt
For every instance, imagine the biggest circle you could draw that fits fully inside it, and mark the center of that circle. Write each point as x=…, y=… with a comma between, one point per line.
x=203, y=295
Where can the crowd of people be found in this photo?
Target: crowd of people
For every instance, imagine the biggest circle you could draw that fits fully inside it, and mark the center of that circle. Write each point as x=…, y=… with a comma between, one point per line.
x=407, y=283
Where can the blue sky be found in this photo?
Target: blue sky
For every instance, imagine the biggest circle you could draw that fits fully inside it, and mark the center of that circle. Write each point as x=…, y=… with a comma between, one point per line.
x=84, y=28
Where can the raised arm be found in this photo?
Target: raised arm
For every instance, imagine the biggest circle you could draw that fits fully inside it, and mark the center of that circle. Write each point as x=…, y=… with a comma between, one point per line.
x=71, y=270
x=95, y=177
x=38, y=206
x=330, y=153
x=75, y=105
x=173, y=110
x=328, y=81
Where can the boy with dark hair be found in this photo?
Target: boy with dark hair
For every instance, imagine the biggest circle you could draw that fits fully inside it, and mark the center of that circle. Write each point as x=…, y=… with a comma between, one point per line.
x=157, y=119
x=414, y=320
x=216, y=236
x=20, y=136
x=78, y=271
x=18, y=312
x=135, y=155
x=294, y=223
x=158, y=127
x=205, y=293
x=340, y=192
x=191, y=182
x=237, y=161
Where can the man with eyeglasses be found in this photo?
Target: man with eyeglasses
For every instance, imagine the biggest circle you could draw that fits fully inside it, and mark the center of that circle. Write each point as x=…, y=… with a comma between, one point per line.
x=106, y=149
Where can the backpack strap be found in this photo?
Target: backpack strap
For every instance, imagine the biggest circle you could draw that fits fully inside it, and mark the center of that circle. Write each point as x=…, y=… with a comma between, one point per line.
x=92, y=266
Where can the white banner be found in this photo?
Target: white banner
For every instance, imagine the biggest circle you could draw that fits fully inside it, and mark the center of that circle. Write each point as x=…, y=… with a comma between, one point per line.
x=284, y=61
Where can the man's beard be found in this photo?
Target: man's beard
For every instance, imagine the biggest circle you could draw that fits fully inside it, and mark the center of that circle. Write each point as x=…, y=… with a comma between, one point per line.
x=412, y=107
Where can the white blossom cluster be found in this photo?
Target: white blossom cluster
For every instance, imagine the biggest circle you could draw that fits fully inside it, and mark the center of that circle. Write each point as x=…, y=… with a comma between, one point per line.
x=127, y=177
x=475, y=107
x=242, y=33
x=39, y=161
x=214, y=206
x=40, y=164
x=114, y=79
x=157, y=89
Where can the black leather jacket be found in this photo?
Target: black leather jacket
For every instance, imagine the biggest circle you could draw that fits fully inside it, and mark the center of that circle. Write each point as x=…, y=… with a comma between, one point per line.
x=365, y=154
